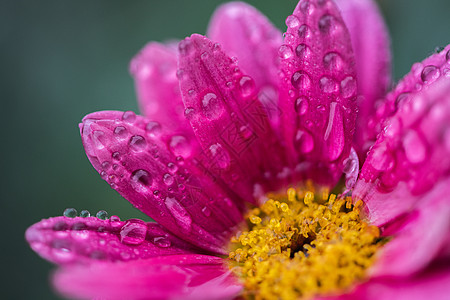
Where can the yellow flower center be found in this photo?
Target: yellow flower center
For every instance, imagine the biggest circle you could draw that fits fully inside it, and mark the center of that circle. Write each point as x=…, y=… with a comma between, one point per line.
x=299, y=245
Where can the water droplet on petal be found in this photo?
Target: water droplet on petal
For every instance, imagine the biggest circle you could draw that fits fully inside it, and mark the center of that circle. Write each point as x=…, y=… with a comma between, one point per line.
x=140, y=180
x=430, y=73
x=348, y=87
x=179, y=213
x=246, y=86
x=301, y=81
x=212, y=106
x=303, y=51
x=70, y=212
x=172, y=167
x=292, y=21
x=285, y=51
x=120, y=132
x=328, y=85
x=185, y=47
x=401, y=99
x=85, y=214
x=179, y=146
x=301, y=105
x=303, y=141
x=102, y=215
x=115, y=221
x=115, y=155
x=307, y=8
x=221, y=156
x=99, y=139
x=380, y=158
x=129, y=117
x=327, y=24
x=168, y=179
x=415, y=149
x=304, y=32
x=62, y=250
x=333, y=61
x=189, y=112
x=153, y=128
x=137, y=143
x=161, y=241
x=133, y=232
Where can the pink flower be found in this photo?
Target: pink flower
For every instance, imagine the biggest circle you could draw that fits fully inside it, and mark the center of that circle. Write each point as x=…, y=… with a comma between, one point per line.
x=217, y=132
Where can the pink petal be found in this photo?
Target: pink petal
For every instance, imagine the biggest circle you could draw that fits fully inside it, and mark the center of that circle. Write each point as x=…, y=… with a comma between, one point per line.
x=410, y=156
x=426, y=228
x=371, y=45
x=153, y=169
x=318, y=96
x=228, y=120
x=421, y=76
x=154, y=71
x=169, y=277
x=433, y=284
x=247, y=34
x=64, y=240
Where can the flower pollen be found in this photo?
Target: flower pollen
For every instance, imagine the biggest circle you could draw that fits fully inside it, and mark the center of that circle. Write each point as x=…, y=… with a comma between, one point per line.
x=300, y=245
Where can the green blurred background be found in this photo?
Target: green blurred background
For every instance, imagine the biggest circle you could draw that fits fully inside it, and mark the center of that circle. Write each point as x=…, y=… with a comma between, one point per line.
x=63, y=59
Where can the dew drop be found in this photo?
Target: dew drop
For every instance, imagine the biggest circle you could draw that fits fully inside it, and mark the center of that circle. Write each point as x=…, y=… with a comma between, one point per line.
x=301, y=81
x=102, y=215
x=70, y=213
x=99, y=139
x=380, y=159
x=140, y=180
x=180, y=146
x=304, y=32
x=246, y=86
x=292, y=21
x=179, y=213
x=221, y=156
x=129, y=117
x=328, y=85
x=348, y=87
x=62, y=250
x=59, y=226
x=212, y=106
x=185, y=47
x=133, y=232
x=333, y=61
x=307, y=8
x=161, y=241
x=285, y=51
x=120, y=132
x=85, y=214
x=172, y=167
x=303, y=51
x=415, y=149
x=430, y=73
x=106, y=165
x=168, y=179
x=401, y=99
x=115, y=221
x=327, y=24
x=189, y=112
x=116, y=155
x=303, y=141
x=153, y=128
x=301, y=105
x=137, y=143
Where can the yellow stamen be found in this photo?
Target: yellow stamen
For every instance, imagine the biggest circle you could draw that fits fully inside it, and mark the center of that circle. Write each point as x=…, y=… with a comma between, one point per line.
x=299, y=246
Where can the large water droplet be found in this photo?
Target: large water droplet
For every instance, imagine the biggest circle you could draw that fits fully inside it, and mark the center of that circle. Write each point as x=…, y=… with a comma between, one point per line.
x=85, y=214
x=115, y=155
x=328, y=85
x=115, y=221
x=168, y=179
x=120, y=132
x=303, y=51
x=129, y=117
x=153, y=128
x=246, y=86
x=189, y=113
x=327, y=24
x=70, y=212
x=137, y=143
x=99, y=139
x=292, y=21
x=301, y=105
x=133, y=232
x=212, y=106
x=415, y=149
x=179, y=213
x=62, y=250
x=333, y=61
x=102, y=215
x=430, y=74
x=301, y=81
x=307, y=8
x=303, y=142
x=179, y=146
x=185, y=47
x=172, y=167
x=161, y=241
x=140, y=180
x=304, y=32
x=348, y=87
x=285, y=51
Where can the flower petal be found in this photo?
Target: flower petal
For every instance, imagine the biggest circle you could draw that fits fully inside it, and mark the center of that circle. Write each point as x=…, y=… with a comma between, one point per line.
x=426, y=228
x=153, y=169
x=154, y=71
x=318, y=90
x=64, y=240
x=421, y=76
x=228, y=120
x=247, y=34
x=169, y=277
x=410, y=156
x=371, y=45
